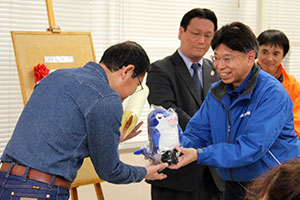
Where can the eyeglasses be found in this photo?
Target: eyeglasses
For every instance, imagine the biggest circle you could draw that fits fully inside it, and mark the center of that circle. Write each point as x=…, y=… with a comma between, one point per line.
x=140, y=86
x=207, y=36
x=226, y=60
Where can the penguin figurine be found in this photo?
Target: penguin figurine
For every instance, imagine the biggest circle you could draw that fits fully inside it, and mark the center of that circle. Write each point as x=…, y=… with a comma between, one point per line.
x=164, y=134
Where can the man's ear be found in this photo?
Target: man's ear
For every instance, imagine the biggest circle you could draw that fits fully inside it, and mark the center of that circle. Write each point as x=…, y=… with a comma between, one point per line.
x=251, y=56
x=180, y=32
x=127, y=71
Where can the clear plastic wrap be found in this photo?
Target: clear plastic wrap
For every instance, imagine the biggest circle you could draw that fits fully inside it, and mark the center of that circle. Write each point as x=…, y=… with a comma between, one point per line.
x=164, y=134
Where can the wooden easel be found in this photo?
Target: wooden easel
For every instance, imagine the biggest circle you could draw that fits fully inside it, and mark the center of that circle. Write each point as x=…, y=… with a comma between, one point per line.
x=30, y=49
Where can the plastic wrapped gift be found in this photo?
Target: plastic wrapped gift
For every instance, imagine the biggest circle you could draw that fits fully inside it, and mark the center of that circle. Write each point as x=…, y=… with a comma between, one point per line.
x=164, y=134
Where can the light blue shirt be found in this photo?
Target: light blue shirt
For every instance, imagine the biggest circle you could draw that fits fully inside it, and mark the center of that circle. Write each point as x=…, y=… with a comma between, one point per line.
x=189, y=63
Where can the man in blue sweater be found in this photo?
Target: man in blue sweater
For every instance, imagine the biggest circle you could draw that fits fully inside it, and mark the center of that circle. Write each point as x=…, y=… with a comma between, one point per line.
x=245, y=125
x=73, y=114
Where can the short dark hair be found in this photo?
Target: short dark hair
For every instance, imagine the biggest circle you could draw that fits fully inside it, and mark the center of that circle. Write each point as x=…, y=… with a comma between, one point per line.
x=276, y=38
x=202, y=13
x=237, y=36
x=124, y=54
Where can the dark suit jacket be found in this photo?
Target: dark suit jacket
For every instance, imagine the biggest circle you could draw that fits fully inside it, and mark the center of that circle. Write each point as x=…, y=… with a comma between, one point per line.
x=171, y=85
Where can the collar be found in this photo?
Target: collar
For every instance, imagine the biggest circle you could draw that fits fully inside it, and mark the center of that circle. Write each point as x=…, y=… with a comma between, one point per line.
x=236, y=92
x=220, y=89
x=279, y=75
x=97, y=68
x=187, y=61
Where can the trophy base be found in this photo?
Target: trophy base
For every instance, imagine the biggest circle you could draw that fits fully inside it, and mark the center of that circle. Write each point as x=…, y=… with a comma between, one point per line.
x=170, y=157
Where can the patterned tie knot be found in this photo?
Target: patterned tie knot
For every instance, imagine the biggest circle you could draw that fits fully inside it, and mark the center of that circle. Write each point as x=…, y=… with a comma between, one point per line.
x=195, y=67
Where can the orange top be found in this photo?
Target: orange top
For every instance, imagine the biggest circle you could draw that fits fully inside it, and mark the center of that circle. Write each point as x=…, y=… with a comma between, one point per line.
x=292, y=86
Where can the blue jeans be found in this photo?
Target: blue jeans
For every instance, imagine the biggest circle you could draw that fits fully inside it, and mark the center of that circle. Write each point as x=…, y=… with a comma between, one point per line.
x=16, y=188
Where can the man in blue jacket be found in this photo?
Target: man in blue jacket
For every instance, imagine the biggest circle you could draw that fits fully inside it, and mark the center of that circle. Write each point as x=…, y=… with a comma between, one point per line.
x=246, y=125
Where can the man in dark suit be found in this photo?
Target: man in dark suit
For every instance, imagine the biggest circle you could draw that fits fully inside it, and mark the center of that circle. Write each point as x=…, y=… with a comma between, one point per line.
x=181, y=81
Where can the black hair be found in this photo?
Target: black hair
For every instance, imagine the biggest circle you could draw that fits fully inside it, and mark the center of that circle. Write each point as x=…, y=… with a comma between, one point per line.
x=200, y=13
x=237, y=36
x=124, y=54
x=276, y=38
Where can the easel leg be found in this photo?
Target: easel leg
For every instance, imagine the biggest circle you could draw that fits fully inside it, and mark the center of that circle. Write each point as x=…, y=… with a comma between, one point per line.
x=74, y=194
x=99, y=191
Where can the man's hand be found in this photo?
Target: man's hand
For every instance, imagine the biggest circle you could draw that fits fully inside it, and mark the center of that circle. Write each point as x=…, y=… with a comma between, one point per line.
x=189, y=156
x=153, y=172
x=134, y=131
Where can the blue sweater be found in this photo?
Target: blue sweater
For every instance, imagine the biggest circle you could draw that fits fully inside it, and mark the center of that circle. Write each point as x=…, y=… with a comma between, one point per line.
x=72, y=114
x=246, y=135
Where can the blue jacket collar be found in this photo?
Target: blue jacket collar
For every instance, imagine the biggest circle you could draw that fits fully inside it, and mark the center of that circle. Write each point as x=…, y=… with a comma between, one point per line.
x=220, y=89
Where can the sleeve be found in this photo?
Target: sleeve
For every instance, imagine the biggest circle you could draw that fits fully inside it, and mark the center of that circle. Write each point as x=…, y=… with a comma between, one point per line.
x=271, y=116
x=198, y=132
x=295, y=96
x=162, y=93
x=103, y=127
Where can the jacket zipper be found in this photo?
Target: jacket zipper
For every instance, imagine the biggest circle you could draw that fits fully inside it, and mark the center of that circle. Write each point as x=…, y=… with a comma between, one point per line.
x=229, y=125
x=229, y=136
x=229, y=133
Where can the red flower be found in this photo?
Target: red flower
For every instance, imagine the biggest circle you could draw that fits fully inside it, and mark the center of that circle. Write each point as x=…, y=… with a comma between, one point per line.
x=40, y=71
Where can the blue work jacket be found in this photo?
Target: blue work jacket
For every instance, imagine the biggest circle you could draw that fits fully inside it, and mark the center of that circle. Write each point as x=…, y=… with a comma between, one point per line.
x=246, y=136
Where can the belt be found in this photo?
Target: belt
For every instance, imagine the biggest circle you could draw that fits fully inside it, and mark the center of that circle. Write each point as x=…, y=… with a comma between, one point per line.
x=36, y=175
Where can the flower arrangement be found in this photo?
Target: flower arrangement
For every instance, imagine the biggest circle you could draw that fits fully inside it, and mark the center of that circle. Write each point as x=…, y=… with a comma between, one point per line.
x=40, y=71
